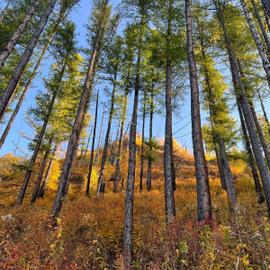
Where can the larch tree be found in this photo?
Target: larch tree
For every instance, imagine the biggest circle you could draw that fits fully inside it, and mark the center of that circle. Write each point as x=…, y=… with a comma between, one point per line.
x=63, y=53
x=100, y=20
x=243, y=101
x=19, y=69
x=111, y=69
x=203, y=189
x=65, y=8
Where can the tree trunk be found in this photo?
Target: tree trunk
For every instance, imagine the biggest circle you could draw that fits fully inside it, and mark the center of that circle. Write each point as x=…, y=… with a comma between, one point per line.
x=257, y=39
x=142, y=142
x=259, y=19
x=266, y=6
x=41, y=172
x=18, y=33
x=168, y=148
x=87, y=144
x=47, y=174
x=99, y=139
x=101, y=181
x=121, y=136
x=129, y=199
x=12, y=84
x=251, y=159
x=224, y=164
x=149, y=168
x=244, y=105
x=264, y=111
x=261, y=135
x=38, y=144
x=221, y=174
x=26, y=88
x=77, y=126
x=203, y=190
x=92, y=149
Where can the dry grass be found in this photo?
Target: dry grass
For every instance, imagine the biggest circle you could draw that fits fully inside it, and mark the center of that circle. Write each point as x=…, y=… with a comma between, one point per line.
x=89, y=234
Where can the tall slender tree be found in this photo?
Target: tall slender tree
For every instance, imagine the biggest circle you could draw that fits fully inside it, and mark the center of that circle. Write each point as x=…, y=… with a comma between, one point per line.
x=17, y=34
x=100, y=17
x=203, y=189
x=18, y=71
x=87, y=191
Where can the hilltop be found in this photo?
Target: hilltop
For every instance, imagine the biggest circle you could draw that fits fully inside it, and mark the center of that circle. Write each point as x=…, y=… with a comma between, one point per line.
x=89, y=234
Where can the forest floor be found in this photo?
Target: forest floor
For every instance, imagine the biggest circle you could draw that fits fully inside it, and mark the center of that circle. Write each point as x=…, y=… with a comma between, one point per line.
x=89, y=234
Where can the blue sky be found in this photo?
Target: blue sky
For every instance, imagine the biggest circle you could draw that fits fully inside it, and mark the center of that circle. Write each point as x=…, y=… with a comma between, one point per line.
x=21, y=132
x=20, y=129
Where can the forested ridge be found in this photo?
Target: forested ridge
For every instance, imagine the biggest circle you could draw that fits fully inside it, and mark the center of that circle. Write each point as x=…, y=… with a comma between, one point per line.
x=108, y=179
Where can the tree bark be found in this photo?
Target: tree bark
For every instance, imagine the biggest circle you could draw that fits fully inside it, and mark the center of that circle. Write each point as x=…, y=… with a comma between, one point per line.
x=221, y=174
x=252, y=162
x=142, y=142
x=168, y=148
x=12, y=84
x=203, y=190
x=244, y=105
x=121, y=136
x=77, y=126
x=18, y=33
x=47, y=174
x=129, y=199
x=92, y=149
x=261, y=135
x=149, y=168
x=41, y=172
x=101, y=180
x=99, y=139
x=259, y=19
x=264, y=112
x=257, y=39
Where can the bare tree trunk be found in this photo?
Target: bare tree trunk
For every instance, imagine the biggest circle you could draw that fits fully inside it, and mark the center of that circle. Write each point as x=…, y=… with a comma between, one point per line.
x=18, y=33
x=221, y=174
x=41, y=172
x=121, y=136
x=266, y=6
x=129, y=200
x=168, y=148
x=101, y=181
x=99, y=139
x=92, y=149
x=251, y=159
x=259, y=19
x=77, y=126
x=142, y=142
x=87, y=144
x=203, y=190
x=257, y=39
x=244, y=105
x=264, y=111
x=47, y=174
x=12, y=84
x=149, y=168
x=261, y=135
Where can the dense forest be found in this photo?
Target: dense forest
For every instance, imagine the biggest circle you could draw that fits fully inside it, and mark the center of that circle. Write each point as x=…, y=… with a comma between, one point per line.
x=100, y=177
